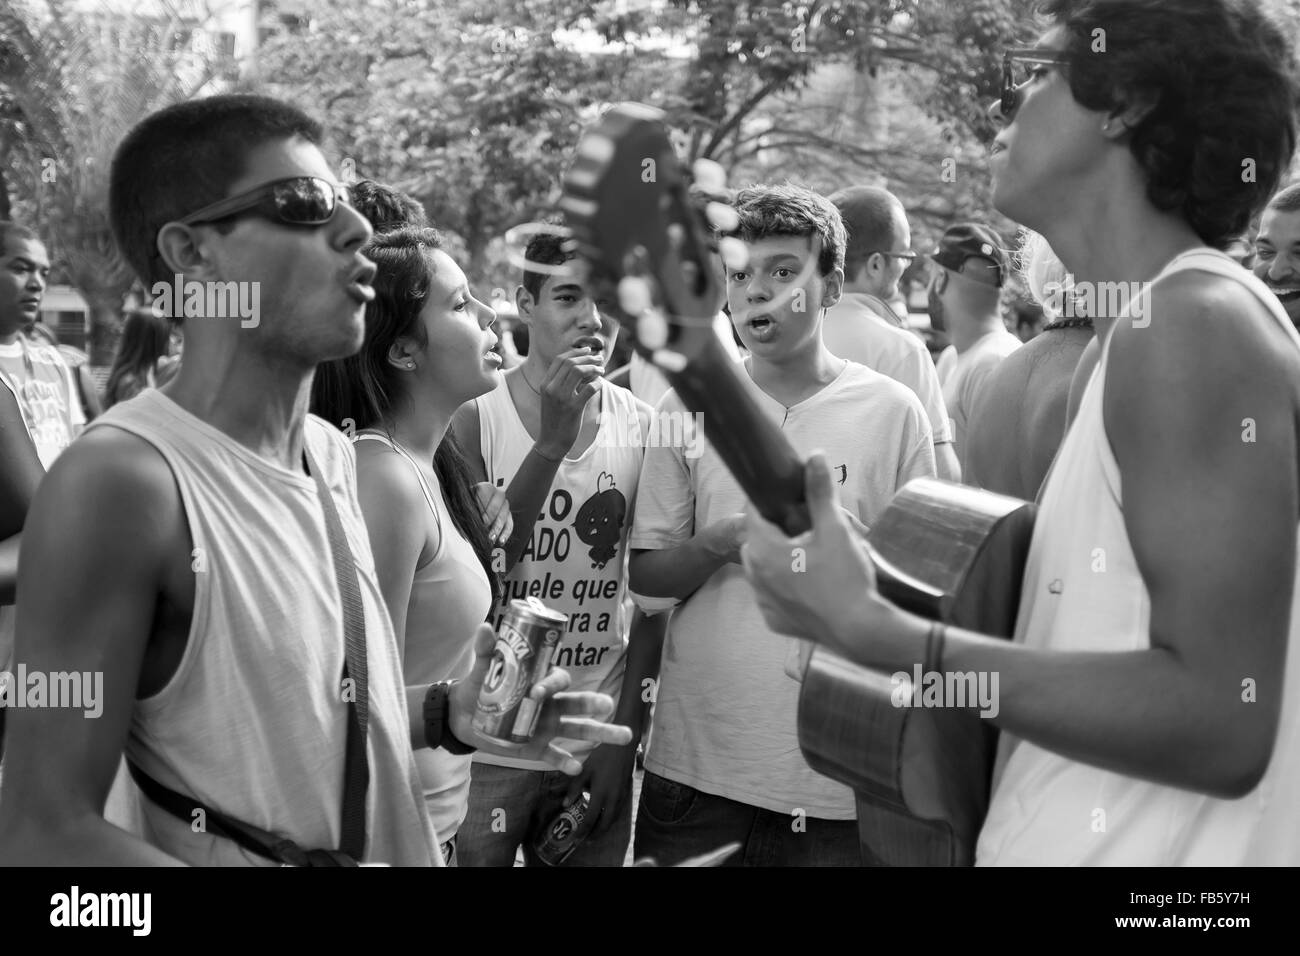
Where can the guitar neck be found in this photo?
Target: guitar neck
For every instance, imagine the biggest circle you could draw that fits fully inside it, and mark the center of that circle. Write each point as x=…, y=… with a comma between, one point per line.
x=752, y=447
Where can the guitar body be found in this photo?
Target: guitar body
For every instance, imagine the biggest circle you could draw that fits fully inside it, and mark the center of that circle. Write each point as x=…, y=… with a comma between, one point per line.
x=922, y=775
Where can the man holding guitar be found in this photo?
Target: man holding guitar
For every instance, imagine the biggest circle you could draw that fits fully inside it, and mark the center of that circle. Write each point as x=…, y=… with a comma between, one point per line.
x=724, y=763
x=1154, y=705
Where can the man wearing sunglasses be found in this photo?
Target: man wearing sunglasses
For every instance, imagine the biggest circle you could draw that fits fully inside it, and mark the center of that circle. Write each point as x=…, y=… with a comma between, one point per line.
x=202, y=547
x=970, y=268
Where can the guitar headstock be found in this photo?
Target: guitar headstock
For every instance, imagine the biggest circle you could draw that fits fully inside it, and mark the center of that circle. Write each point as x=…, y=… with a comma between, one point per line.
x=627, y=201
x=644, y=241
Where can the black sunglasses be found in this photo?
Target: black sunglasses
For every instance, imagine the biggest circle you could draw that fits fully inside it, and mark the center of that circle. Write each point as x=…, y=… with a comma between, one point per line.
x=297, y=201
x=908, y=254
x=1028, y=56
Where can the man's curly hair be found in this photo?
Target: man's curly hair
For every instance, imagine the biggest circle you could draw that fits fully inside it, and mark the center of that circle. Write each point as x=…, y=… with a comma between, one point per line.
x=1222, y=77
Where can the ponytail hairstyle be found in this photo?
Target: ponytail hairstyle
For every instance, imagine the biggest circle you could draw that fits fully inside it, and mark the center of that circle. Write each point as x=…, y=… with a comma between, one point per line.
x=362, y=390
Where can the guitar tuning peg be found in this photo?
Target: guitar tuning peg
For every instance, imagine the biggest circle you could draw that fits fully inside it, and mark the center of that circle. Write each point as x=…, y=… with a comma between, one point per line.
x=733, y=253
x=668, y=360
x=709, y=176
x=633, y=295
x=652, y=330
x=722, y=217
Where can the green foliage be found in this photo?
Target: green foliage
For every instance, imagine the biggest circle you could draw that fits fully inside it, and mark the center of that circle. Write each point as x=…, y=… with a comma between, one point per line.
x=75, y=82
x=475, y=108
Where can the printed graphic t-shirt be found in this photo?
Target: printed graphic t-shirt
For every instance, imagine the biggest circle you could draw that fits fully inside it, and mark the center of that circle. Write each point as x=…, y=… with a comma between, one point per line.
x=576, y=560
x=725, y=715
x=47, y=399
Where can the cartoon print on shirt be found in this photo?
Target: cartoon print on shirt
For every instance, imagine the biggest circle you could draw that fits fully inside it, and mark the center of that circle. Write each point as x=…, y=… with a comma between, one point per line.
x=599, y=522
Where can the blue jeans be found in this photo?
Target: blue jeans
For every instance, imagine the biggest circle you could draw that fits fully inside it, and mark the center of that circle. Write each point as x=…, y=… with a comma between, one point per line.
x=509, y=808
x=675, y=822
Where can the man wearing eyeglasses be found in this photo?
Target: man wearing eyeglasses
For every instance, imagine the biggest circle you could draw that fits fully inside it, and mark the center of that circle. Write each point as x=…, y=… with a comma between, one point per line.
x=964, y=292
x=202, y=550
x=862, y=327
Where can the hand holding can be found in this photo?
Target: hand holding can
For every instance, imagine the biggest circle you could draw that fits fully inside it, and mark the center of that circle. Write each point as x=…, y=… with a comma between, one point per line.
x=526, y=643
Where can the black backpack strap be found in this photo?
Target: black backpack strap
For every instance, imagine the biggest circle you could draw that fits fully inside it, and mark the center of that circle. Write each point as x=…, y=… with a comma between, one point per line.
x=251, y=838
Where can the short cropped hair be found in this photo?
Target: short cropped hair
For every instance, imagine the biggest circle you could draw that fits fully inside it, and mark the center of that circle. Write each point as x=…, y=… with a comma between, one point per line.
x=1286, y=199
x=548, y=249
x=870, y=215
x=10, y=229
x=387, y=208
x=1222, y=77
x=789, y=210
x=184, y=157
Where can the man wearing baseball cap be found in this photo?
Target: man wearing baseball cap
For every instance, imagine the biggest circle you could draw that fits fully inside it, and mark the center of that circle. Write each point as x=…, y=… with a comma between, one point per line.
x=970, y=269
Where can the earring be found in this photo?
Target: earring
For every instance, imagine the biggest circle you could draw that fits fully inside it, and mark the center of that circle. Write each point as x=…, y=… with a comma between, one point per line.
x=410, y=365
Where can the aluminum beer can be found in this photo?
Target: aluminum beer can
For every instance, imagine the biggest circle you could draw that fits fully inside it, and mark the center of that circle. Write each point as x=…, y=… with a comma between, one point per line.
x=526, y=641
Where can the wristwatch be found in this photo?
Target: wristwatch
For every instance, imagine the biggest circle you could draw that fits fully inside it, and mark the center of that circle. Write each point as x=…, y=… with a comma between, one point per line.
x=437, y=720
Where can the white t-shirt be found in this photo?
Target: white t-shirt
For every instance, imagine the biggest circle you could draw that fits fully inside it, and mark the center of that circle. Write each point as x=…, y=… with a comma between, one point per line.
x=1050, y=810
x=725, y=713
x=944, y=365
x=962, y=388
x=855, y=331
x=576, y=560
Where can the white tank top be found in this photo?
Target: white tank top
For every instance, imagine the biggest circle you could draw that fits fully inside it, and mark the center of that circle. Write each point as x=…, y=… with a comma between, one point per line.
x=1045, y=807
x=576, y=561
x=450, y=598
x=253, y=722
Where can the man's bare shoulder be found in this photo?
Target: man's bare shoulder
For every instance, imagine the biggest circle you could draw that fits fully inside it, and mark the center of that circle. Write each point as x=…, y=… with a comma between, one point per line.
x=1202, y=324
x=108, y=482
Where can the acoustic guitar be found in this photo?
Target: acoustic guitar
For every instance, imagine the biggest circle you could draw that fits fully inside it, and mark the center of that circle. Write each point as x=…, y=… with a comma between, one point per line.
x=942, y=550
x=921, y=774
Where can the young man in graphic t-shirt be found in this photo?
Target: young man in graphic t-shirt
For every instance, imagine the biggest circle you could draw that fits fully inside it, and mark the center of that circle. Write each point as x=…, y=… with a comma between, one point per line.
x=39, y=381
x=567, y=447
x=724, y=762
